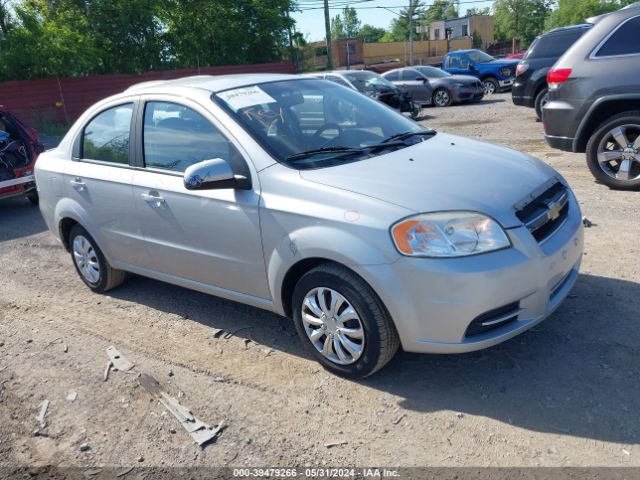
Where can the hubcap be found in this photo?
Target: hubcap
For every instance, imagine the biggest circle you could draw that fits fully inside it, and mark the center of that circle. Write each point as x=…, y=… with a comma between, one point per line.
x=86, y=259
x=619, y=153
x=489, y=88
x=442, y=98
x=332, y=325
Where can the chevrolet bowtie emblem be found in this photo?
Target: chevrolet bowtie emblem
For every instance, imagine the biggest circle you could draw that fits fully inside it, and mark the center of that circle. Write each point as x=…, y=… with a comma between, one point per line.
x=554, y=210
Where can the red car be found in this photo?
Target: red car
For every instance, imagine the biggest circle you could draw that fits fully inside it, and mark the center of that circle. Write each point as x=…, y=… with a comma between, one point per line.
x=515, y=56
x=19, y=149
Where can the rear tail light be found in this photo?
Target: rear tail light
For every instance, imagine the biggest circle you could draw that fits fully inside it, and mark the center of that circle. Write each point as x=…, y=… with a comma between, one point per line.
x=521, y=68
x=557, y=76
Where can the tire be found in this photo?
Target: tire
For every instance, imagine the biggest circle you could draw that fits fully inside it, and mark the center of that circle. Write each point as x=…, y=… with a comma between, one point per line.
x=33, y=198
x=602, y=139
x=491, y=86
x=102, y=279
x=442, y=98
x=540, y=101
x=379, y=339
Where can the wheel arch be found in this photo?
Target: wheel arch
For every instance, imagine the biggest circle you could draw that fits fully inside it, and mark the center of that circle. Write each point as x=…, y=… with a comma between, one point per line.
x=600, y=111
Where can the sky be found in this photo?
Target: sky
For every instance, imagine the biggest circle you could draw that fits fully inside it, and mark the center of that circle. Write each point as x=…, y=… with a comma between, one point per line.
x=310, y=21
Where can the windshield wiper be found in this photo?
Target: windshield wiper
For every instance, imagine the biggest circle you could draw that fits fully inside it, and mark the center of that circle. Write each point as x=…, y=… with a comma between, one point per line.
x=404, y=135
x=316, y=151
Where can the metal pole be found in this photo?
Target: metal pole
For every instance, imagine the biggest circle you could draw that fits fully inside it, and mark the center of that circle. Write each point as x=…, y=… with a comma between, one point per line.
x=411, y=32
x=327, y=27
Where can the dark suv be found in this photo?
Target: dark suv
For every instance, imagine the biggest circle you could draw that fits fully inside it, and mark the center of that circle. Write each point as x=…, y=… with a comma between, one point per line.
x=530, y=87
x=594, y=98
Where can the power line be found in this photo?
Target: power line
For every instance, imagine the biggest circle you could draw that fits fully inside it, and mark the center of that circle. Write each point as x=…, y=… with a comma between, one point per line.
x=377, y=7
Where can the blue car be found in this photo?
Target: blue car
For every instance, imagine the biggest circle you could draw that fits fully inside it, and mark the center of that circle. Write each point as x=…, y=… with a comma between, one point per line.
x=496, y=75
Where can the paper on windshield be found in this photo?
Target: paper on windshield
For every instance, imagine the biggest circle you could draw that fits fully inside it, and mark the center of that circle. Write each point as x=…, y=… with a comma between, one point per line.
x=246, y=97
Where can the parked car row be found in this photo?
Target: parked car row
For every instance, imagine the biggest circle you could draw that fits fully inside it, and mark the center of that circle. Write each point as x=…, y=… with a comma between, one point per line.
x=584, y=82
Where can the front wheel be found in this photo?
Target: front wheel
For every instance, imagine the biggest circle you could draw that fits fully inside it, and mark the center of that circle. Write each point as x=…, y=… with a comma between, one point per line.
x=442, y=98
x=491, y=86
x=90, y=263
x=613, y=151
x=342, y=322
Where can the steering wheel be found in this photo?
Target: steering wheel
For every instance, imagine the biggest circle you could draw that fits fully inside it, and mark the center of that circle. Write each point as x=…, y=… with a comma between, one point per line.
x=327, y=126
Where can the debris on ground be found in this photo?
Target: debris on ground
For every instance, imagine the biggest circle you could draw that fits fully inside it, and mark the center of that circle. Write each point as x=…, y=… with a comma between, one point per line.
x=217, y=332
x=72, y=395
x=336, y=444
x=119, y=361
x=231, y=334
x=587, y=223
x=85, y=447
x=91, y=472
x=105, y=377
x=124, y=472
x=399, y=419
x=43, y=412
x=199, y=431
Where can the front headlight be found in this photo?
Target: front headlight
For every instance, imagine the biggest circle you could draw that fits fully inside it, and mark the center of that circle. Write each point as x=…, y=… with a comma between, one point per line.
x=448, y=234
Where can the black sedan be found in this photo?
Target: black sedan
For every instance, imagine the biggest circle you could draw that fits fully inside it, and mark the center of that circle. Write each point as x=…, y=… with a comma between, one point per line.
x=431, y=85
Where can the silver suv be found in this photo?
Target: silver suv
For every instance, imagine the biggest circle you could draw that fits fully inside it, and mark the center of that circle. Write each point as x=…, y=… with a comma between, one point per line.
x=310, y=200
x=594, y=98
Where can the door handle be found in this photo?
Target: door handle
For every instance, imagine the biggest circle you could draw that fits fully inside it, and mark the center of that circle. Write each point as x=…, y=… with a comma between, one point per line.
x=153, y=200
x=77, y=183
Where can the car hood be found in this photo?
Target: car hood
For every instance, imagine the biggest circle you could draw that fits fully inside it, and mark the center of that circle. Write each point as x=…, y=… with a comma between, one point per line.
x=445, y=172
x=463, y=78
x=502, y=63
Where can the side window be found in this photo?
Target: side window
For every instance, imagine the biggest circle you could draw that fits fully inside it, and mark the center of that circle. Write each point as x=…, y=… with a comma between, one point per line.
x=412, y=75
x=175, y=137
x=393, y=76
x=624, y=41
x=106, y=136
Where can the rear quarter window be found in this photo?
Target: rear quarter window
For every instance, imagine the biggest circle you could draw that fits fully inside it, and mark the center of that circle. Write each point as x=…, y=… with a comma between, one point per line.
x=624, y=41
x=553, y=45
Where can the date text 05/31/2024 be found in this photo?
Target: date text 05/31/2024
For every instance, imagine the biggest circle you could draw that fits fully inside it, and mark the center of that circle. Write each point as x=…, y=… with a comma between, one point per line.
x=315, y=473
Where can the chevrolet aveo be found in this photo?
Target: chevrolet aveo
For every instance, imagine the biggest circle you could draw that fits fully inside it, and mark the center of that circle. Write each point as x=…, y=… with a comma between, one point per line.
x=308, y=199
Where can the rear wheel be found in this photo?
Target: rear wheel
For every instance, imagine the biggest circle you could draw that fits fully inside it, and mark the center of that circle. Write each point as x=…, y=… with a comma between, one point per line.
x=491, y=86
x=93, y=268
x=342, y=322
x=442, y=97
x=613, y=151
x=542, y=98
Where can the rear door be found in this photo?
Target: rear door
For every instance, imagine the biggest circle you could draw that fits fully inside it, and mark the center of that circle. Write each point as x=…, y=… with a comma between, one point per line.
x=207, y=236
x=99, y=178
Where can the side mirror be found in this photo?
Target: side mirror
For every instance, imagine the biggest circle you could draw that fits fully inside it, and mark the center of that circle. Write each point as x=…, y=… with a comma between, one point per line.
x=212, y=175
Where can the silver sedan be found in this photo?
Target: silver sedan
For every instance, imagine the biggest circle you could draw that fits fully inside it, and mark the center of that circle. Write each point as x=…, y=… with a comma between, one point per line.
x=307, y=199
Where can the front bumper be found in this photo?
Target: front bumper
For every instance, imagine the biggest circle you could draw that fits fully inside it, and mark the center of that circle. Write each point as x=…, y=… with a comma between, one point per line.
x=506, y=84
x=433, y=301
x=466, y=94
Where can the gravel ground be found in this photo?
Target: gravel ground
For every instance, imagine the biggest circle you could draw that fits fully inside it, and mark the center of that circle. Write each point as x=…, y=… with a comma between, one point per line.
x=564, y=393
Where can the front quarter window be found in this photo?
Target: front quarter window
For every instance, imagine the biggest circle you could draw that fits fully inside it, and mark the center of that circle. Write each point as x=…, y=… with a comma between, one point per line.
x=294, y=117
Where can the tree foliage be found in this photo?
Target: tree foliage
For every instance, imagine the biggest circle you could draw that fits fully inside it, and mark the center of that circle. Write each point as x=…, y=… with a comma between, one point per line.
x=523, y=19
x=369, y=33
x=399, y=29
x=43, y=38
x=346, y=25
x=571, y=12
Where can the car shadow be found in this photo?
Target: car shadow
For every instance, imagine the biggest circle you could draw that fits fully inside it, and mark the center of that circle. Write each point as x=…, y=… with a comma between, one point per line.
x=574, y=374
x=19, y=218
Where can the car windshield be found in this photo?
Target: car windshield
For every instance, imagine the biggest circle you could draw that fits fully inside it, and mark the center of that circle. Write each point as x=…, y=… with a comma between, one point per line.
x=480, y=57
x=309, y=123
x=368, y=81
x=432, y=72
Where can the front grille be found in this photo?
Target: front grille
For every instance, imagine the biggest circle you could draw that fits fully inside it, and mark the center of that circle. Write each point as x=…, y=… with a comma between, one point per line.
x=493, y=319
x=545, y=213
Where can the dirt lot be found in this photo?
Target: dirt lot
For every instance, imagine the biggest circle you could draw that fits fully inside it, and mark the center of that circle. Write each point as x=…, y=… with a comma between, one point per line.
x=564, y=393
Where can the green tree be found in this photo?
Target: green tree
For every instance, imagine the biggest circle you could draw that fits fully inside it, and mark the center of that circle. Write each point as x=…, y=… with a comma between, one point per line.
x=399, y=29
x=478, y=11
x=346, y=25
x=571, y=12
x=370, y=34
x=522, y=19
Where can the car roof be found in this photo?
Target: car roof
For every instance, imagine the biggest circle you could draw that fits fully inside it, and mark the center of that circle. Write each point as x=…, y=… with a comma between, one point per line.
x=567, y=28
x=210, y=83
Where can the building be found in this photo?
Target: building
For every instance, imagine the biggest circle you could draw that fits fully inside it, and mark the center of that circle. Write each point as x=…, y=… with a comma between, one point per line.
x=345, y=52
x=478, y=27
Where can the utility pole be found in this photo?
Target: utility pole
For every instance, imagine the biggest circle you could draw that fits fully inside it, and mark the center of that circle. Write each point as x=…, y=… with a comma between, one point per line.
x=410, y=32
x=327, y=27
